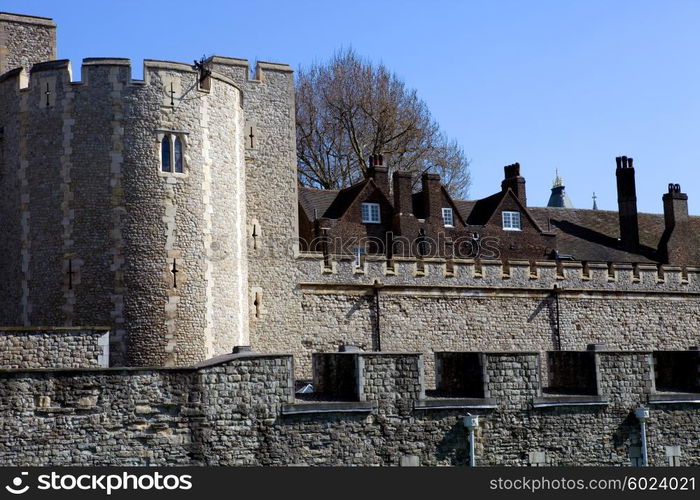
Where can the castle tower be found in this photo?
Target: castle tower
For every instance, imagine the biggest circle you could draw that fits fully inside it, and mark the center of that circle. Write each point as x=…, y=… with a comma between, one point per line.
x=123, y=203
x=272, y=229
x=25, y=41
x=559, y=198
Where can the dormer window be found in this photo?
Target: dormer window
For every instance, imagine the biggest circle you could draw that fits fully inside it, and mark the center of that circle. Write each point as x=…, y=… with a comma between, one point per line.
x=448, y=217
x=511, y=221
x=371, y=213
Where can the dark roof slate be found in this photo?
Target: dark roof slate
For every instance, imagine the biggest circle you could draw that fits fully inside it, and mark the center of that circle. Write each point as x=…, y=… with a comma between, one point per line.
x=586, y=235
x=318, y=200
x=344, y=199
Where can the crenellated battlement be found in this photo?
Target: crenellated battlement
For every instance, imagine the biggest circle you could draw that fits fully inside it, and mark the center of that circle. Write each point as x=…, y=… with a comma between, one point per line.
x=315, y=269
x=94, y=68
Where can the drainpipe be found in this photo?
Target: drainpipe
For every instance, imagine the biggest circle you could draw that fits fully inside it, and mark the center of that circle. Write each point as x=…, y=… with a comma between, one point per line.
x=377, y=285
x=556, y=291
x=642, y=415
x=471, y=422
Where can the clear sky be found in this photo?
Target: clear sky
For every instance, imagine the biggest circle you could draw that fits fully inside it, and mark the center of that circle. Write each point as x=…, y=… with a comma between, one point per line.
x=550, y=84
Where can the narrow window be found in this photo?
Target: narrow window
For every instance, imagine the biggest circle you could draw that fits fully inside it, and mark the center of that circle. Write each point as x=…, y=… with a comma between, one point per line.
x=166, y=163
x=359, y=253
x=447, y=217
x=178, y=155
x=371, y=213
x=511, y=221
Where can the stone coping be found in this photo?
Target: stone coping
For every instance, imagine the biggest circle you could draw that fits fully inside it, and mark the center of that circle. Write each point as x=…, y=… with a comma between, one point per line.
x=487, y=352
x=570, y=400
x=455, y=403
x=218, y=360
x=26, y=19
x=491, y=288
x=52, y=328
x=50, y=65
x=108, y=61
x=328, y=407
x=674, y=398
x=371, y=353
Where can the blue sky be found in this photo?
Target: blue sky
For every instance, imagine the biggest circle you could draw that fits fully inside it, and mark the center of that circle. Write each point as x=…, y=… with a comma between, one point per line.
x=550, y=84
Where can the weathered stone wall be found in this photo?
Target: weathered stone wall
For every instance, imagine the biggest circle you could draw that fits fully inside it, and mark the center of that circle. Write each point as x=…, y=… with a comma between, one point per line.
x=467, y=306
x=237, y=410
x=25, y=40
x=93, y=224
x=271, y=201
x=53, y=347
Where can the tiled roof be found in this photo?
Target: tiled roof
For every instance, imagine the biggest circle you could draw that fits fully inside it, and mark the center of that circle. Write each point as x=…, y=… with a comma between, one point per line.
x=482, y=210
x=592, y=235
x=318, y=200
x=587, y=235
x=343, y=200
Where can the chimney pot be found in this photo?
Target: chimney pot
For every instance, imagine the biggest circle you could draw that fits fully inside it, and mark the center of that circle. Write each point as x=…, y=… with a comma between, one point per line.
x=627, y=204
x=674, y=245
x=514, y=181
x=379, y=173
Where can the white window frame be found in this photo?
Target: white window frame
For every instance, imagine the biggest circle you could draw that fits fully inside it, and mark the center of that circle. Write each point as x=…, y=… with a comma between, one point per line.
x=510, y=218
x=359, y=254
x=371, y=213
x=449, y=220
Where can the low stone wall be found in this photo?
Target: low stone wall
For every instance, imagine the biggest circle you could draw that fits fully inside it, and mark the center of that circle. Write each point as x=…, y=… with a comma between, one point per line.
x=39, y=347
x=241, y=410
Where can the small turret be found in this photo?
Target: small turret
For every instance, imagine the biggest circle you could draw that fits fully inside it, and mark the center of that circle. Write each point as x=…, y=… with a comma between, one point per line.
x=559, y=198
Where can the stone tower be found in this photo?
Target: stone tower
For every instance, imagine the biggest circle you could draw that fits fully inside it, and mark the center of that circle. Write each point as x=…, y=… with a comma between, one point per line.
x=25, y=40
x=123, y=202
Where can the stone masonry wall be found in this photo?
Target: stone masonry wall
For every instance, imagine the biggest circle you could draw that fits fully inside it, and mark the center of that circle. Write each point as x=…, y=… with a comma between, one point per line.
x=53, y=347
x=271, y=201
x=465, y=306
x=25, y=41
x=93, y=224
x=236, y=410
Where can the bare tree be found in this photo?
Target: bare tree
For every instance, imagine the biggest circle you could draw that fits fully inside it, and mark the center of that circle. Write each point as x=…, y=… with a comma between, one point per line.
x=349, y=109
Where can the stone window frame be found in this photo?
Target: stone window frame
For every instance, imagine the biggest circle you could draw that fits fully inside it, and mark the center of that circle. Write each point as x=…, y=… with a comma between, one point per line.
x=172, y=136
x=369, y=211
x=448, y=221
x=512, y=221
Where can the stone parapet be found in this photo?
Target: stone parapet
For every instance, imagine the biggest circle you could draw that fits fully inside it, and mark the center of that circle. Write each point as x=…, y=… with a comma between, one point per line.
x=241, y=409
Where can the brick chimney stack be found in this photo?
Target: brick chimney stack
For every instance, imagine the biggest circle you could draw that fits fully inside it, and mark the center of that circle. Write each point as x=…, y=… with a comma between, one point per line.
x=403, y=194
x=627, y=204
x=675, y=206
x=377, y=171
x=514, y=181
x=432, y=195
x=675, y=246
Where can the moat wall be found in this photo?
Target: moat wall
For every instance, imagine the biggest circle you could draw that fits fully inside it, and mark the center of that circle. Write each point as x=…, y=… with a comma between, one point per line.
x=240, y=410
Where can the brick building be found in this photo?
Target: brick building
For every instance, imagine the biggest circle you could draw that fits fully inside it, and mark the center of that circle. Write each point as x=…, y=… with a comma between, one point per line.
x=367, y=218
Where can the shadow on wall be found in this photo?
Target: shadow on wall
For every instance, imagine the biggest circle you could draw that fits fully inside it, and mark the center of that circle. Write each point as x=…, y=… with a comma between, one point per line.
x=454, y=445
x=551, y=306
